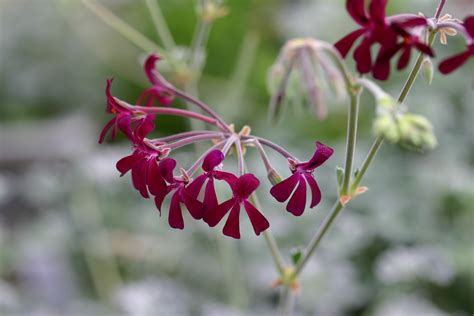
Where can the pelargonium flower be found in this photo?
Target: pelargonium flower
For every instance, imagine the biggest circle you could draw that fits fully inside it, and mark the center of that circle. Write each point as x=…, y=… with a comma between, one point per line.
x=160, y=90
x=123, y=119
x=211, y=161
x=376, y=28
x=302, y=175
x=242, y=188
x=180, y=195
x=449, y=65
x=143, y=163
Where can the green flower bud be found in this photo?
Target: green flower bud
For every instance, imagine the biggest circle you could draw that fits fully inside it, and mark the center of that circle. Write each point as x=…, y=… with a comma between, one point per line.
x=428, y=72
x=386, y=126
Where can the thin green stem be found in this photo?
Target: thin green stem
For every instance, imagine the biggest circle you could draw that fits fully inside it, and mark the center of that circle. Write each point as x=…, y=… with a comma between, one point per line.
x=197, y=46
x=351, y=141
x=270, y=241
x=368, y=160
x=287, y=301
x=122, y=27
x=161, y=26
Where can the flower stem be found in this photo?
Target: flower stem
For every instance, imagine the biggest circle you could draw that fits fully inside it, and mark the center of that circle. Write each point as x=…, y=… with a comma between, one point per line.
x=191, y=140
x=179, y=112
x=271, y=145
x=287, y=301
x=123, y=28
x=161, y=26
x=179, y=136
x=351, y=141
x=336, y=209
x=270, y=240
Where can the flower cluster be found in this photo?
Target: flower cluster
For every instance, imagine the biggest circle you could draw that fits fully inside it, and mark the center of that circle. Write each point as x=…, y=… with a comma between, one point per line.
x=397, y=35
x=153, y=169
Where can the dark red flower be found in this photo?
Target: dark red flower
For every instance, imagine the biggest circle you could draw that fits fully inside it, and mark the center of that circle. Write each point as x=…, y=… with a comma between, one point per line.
x=302, y=175
x=242, y=188
x=449, y=65
x=180, y=195
x=143, y=163
x=123, y=119
x=376, y=28
x=159, y=91
x=211, y=161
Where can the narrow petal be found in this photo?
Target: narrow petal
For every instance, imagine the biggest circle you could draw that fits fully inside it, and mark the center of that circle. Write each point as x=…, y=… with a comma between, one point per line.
x=321, y=154
x=212, y=160
x=232, y=225
x=404, y=58
x=424, y=48
x=452, y=63
x=144, y=127
x=194, y=188
x=195, y=208
x=139, y=172
x=125, y=164
x=124, y=123
x=246, y=185
x=282, y=191
x=344, y=45
x=381, y=70
x=413, y=22
x=259, y=222
x=175, y=217
x=297, y=202
x=155, y=181
x=106, y=128
x=228, y=177
x=167, y=166
x=469, y=25
x=363, y=57
x=356, y=9
x=149, y=67
x=214, y=216
x=315, y=191
x=210, y=196
x=159, y=198
x=377, y=10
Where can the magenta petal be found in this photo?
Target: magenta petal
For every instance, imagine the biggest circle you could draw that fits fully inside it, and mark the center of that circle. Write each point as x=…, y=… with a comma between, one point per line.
x=228, y=177
x=195, y=208
x=321, y=154
x=106, y=128
x=194, y=188
x=404, y=58
x=232, y=225
x=210, y=197
x=155, y=181
x=356, y=9
x=452, y=63
x=344, y=45
x=246, y=185
x=213, y=216
x=381, y=70
x=139, y=172
x=167, y=166
x=159, y=198
x=259, y=222
x=175, y=217
x=424, y=49
x=124, y=123
x=212, y=160
x=363, y=57
x=297, y=202
x=150, y=67
x=125, y=164
x=413, y=22
x=315, y=191
x=377, y=10
x=282, y=191
x=145, y=126
x=469, y=25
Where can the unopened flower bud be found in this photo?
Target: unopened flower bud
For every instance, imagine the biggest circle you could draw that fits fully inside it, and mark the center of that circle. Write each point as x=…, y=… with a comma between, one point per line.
x=428, y=71
x=210, y=10
x=274, y=177
x=416, y=132
x=386, y=126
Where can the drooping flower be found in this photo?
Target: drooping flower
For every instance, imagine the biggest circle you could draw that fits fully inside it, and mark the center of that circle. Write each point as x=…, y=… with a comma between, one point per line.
x=376, y=28
x=143, y=163
x=211, y=161
x=242, y=188
x=123, y=119
x=160, y=90
x=452, y=63
x=180, y=195
x=301, y=177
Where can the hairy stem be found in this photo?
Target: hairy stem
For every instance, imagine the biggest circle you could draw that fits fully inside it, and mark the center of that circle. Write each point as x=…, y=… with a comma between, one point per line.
x=161, y=26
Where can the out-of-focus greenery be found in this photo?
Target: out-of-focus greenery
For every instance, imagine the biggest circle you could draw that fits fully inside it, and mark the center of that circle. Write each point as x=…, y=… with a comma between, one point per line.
x=77, y=239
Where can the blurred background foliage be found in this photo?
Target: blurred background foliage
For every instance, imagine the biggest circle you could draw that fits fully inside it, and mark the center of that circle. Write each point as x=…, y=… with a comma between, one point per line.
x=75, y=239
